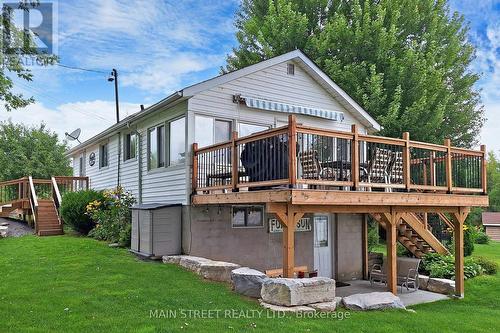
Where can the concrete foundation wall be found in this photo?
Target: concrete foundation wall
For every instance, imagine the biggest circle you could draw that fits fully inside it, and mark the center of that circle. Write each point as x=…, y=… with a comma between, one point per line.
x=211, y=235
x=349, y=253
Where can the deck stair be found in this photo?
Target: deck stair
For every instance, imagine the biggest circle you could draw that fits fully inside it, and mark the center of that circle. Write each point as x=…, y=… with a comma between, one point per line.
x=48, y=221
x=413, y=235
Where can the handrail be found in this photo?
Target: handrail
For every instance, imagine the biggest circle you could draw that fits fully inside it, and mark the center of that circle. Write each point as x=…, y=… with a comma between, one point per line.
x=420, y=162
x=55, y=193
x=33, y=201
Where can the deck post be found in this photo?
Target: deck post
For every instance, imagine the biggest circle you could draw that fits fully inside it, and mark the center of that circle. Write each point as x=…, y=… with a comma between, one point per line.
x=449, y=177
x=288, y=218
x=432, y=169
x=406, y=161
x=391, y=242
x=234, y=161
x=355, y=157
x=458, y=221
x=194, y=180
x=292, y=150
x=484, y=173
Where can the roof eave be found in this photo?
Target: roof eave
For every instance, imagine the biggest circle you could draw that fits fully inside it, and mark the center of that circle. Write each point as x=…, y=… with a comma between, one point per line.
x=126, y=122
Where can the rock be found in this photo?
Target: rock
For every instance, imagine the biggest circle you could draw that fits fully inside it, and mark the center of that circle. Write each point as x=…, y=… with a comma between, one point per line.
x=338, y=301
x=247, y=281
x=373, y=301
x=217, y=270
x=290, y=292
x=171, y=259
x=192, y=263
x=4, y=224
x=325, y=306
x=279, y=308
x=441, y=286
x=114, y=245
x=423, y=280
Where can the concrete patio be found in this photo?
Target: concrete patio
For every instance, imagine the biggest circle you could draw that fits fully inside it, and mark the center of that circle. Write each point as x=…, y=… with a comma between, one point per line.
x=407, y=297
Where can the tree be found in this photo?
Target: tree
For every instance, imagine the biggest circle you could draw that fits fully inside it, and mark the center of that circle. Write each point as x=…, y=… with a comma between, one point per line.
x=406, y=62
x=21, y=46
x=31, y=151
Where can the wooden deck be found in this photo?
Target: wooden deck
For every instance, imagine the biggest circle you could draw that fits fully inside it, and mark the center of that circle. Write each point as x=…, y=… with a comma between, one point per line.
x=397, y=181
x=40, y=199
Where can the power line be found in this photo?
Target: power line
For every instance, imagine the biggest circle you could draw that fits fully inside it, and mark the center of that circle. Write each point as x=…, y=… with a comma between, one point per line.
x=81, y=69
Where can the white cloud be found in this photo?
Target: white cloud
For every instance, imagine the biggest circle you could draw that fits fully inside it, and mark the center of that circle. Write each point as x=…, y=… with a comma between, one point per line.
x=91, y=116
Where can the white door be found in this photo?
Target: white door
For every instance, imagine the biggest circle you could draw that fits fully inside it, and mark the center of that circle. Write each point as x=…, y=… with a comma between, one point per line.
x=322, y=246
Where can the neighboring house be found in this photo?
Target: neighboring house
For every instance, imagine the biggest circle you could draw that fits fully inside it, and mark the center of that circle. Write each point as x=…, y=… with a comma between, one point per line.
x=226, y=217
x=491, y=223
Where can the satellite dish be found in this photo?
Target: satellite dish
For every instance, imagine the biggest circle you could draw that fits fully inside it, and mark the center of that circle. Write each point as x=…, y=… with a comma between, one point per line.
x=74, y=135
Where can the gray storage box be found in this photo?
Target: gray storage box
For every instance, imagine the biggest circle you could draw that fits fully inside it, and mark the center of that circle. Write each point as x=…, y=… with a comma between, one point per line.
x=156, y=229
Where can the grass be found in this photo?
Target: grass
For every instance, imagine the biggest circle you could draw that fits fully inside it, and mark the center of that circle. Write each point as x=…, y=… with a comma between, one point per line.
x=76, y=284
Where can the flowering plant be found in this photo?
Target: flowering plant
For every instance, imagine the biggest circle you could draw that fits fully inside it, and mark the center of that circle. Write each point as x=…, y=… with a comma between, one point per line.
x=112, y=216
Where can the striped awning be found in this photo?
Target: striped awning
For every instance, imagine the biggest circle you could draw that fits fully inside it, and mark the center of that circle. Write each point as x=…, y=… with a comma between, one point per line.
x=258, y=103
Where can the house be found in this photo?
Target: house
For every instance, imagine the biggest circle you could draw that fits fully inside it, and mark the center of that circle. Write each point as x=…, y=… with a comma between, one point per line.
x=220, y=148
x=491, y=223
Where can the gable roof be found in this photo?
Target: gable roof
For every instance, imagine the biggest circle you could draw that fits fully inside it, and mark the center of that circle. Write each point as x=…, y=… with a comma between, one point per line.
x=297, y=56
x=310, y=67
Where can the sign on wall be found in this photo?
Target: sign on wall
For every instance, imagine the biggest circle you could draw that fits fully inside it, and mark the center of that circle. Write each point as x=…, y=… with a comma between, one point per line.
x=304, y=224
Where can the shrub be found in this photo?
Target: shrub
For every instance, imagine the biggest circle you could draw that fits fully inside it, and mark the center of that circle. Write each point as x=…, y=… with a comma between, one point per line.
x=113, y=216
x=489, y=266
x=443, y=266
x=468, y=240
x=482, y=238
x=74, y=207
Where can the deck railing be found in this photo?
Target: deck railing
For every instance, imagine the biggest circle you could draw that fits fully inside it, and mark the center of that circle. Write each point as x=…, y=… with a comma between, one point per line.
x=296, y=156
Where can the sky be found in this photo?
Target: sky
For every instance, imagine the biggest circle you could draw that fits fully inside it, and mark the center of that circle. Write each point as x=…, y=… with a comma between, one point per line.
x=159, y=47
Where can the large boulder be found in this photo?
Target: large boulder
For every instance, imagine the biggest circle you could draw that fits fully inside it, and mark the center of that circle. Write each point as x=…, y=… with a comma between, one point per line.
x=290, y=309
x=291, y=292
x=324, y=307
x=373, y=301
x=423, y=281
x=247, y=281
x=217, y=270
x=172, y=259
x=441, y=286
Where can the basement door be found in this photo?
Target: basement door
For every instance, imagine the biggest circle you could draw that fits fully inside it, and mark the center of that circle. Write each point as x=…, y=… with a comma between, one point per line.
x=322, y=246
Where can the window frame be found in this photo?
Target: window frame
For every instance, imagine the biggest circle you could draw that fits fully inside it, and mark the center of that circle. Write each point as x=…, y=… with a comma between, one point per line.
x=214, y=119
x=102, y=147
x=159, y=146
x=127, y=147
x=168, y=157
x=247, y=207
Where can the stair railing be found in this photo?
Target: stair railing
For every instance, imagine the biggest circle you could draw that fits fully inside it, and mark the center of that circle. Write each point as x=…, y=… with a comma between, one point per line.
x=33, y=202
x=56, y=197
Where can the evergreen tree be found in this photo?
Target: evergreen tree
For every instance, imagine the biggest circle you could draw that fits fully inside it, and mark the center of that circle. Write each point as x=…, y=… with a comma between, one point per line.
x=407, y=62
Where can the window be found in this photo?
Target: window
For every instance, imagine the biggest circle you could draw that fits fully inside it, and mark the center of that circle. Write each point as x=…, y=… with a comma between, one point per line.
x=290, y=69
x=103, y=155
x=247, y=216
x=156, y=144
x=209, y=131
x=130, y=146
x=177, y=141
x=247, y=129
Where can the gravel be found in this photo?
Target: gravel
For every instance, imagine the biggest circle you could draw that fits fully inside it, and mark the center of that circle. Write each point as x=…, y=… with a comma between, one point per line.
x=16, y=228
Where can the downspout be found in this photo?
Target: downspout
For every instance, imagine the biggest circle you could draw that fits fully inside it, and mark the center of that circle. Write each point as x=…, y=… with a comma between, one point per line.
x=139, y=187
x=119, y=158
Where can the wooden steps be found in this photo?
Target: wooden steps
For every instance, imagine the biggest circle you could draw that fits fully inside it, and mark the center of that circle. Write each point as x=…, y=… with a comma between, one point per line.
x=48, y=222
x=413, y=235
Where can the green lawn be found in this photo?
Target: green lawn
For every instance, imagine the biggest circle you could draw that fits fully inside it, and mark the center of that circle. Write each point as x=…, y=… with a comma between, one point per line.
x=71, y=284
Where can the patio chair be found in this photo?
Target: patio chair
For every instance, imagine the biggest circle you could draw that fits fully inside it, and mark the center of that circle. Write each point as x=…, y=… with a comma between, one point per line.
x=311, y=167
x=377, y=170
x=407, y=273
x=395, y=171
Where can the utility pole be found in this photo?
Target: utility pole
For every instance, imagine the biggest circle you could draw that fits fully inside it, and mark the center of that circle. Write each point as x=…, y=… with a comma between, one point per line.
x=114, y=78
